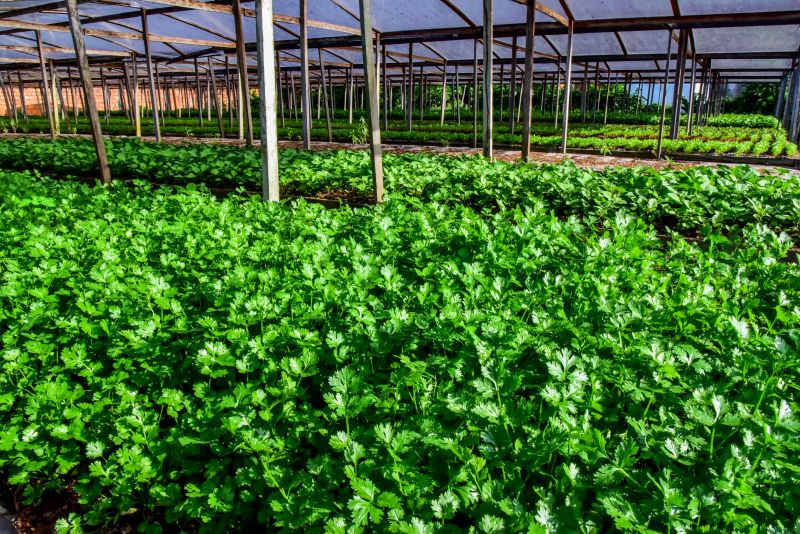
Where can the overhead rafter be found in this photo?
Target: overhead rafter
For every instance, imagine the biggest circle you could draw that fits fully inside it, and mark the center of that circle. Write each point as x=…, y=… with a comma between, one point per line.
x=11, y=13
x=92, y=32
x=567, y=10
x=621, y=43
x=60, y=50
x=199, y=27
x=455, y=9
x=134, y=28
x=544, y=10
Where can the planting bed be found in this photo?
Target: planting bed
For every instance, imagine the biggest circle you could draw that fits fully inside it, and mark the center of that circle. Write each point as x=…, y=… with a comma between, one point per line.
x=499, y=347
x=686, y=197
x=739, y=135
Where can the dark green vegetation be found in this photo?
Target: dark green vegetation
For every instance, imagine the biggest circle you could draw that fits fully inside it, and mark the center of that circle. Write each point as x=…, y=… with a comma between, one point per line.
x=754, y=98
x=741, y=135
x=497, y=348
x=686, y=199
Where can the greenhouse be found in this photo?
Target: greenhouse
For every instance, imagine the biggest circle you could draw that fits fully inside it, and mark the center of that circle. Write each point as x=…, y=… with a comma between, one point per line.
x=399, y=266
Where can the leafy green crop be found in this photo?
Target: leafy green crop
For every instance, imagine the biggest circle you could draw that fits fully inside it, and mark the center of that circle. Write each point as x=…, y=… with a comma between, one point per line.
x=688, y=199
x=723, y=134
x=232, y=365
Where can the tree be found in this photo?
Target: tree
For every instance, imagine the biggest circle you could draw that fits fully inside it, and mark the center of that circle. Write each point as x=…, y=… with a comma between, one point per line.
x=754, y=98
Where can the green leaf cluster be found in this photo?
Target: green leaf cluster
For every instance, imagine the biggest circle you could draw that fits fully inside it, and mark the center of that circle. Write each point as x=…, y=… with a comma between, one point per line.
x=232, y=365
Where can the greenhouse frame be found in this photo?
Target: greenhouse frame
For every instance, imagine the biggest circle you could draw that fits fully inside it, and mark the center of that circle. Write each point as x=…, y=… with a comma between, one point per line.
x=405, y=266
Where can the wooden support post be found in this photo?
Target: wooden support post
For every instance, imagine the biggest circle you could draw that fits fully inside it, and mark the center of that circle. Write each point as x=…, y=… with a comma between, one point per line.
x=332, y=99
x=22, y=96
x=217, y=105
x=325, y=94
x=208, y=97
x=126, y=79
x=159, y=100
x=229, y=93
x=421, y=93
x=379, y=74
x=444, y=93
x=403, y=87
x=387, y=96
x=319, y=97
x=58, y=97
x=6, y=96
x=584, y=90
x=527, y=81
x=787, y=108
x=365, y=12
x=608, y=93
x=73, y=97
x=781, y=99
x=698, y=116
x=512, y=87
x=713, y=94
x=48, y=107
x=596, y=91
x=664, y=97
x=558, y=92
x=475, y=94
x=410, y=89
x=351, y=87
x=13, y=98
x=543, y=88
x=794, y=109
x=690, y=115
x=488, y=76
x=502, y=91
x=187, y=98
x=680, y=73
x=106, y=96
x=88, y=89
x=305, y=82
x=457, y=102
x=150, y=80
x=281, y=104
x=266, y=90
x=245, y=113
x=239, y=104
x=294, y=96
x=199, y=93
x=567, y=90
x=136, y=107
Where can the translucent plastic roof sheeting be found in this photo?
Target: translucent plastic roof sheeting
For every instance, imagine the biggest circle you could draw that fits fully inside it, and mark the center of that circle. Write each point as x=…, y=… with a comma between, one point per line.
x=505, y=11
x=614, y=9
x=777, y=64
x=646, y=42
x=699, y=7
x=752, y=39
x=587, y=44
x=410, y=15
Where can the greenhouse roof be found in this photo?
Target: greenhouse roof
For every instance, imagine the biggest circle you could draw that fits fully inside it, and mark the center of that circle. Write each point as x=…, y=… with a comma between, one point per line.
x=738, y=39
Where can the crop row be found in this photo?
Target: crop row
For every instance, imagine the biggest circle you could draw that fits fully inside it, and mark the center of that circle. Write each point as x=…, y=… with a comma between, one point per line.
x=229, y=365
x=686, y=199
x=708, y=139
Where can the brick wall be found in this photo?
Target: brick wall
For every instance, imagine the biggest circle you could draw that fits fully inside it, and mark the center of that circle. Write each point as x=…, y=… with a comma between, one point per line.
x=73, y=96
